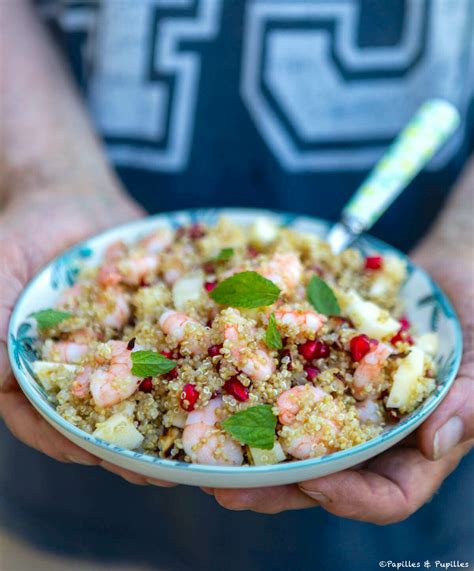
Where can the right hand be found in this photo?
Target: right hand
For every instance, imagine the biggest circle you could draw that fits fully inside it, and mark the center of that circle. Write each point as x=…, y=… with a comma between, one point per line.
x=34, y=227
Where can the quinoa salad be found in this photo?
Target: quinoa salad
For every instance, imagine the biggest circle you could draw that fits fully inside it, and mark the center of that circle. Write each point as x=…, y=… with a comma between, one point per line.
x=231, y=345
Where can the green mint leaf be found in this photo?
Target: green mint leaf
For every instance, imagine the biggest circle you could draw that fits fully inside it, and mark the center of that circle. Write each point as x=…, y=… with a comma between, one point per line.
x=321, y=297
x=272, y=335
x=150, y=364
x=46, y=318
x=224, y=255
x=246, y=289
x=254, y=426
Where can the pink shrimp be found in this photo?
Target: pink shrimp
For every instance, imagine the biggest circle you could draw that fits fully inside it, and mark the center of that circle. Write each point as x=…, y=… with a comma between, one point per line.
x=369, y=412
x=290, y=401
x=299, y=437
x=205, y=443
x=109, y=274
x=157, y=241
x=284, y=270
x=186, y=330
x=116, y=383
x=113, y=298
x=257, y=364
x=80, y=386
x=134, y=268
x=119, y=312
x=368, y=374
x=65, y=351
x=307, y=322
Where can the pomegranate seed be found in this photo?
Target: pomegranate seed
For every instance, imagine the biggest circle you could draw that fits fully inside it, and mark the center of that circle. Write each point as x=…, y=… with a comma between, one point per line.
x=188, y=397
x=373, y=262
x=252, y=252
x=313, y=350
x=322, y=350
x=131, y=343
x=360, y=346
x=196, y=231
x=404, y=324
x=311, y=372
x=235, y=388
x=146, y=386
x=167, y=353
x=171, y=375
x=209, y=286
x=286, y=353
x=402, y=336
x=214, y=350
x=307, y=350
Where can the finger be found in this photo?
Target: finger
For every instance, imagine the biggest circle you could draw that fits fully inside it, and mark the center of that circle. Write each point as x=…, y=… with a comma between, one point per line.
x=270, y=500
x=394, y=485
x=451, y=423
x=27, y=425
x=135, y=478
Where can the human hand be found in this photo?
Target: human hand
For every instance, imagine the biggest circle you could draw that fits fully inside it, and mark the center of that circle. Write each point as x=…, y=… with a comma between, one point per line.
x=393, y=485
x=34, y=227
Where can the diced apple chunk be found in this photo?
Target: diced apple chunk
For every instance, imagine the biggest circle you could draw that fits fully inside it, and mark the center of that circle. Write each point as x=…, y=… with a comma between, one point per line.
x=46, y=372
x=429, y=343
x=368, y=317
x=188, y=288
x=120, y=431
x=263, y=457
x=406, y=379
x=263, y=232
x=380, y=287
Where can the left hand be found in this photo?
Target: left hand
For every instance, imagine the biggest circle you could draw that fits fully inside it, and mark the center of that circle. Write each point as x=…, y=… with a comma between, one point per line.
x=393, y=485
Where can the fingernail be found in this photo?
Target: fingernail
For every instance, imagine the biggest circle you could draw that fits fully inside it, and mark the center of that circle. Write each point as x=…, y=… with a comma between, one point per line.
x=447, y=437
x=76, y=460
x=318, y=496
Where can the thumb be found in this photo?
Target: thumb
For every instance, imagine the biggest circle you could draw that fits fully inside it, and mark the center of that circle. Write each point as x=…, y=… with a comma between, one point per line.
x=452, y=423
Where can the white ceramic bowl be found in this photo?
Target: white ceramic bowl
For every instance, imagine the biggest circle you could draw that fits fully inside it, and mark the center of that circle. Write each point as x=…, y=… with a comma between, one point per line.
x=426, y=306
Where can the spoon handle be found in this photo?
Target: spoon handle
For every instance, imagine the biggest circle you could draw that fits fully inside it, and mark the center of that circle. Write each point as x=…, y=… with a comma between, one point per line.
x=433, y=123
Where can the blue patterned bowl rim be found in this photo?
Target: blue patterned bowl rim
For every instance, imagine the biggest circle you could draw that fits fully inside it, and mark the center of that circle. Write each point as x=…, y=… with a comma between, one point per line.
x=34, y=393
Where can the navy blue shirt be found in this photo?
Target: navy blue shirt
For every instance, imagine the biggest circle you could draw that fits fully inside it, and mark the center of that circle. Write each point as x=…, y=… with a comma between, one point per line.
x=271, y=103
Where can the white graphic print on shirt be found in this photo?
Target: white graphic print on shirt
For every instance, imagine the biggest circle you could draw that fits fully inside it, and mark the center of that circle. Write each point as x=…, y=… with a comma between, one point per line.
x=318, y=99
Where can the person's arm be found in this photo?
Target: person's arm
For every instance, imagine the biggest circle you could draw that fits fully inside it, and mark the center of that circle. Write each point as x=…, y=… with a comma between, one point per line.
x=47, y=146
x=55, y=189
x=393, y=485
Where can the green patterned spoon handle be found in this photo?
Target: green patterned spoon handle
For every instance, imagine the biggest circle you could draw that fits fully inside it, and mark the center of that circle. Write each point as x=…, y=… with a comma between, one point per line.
x=433, y=123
